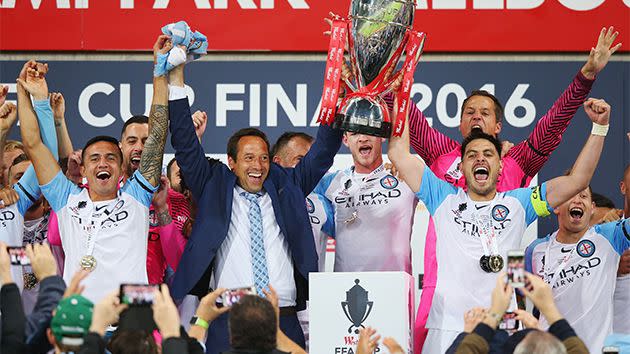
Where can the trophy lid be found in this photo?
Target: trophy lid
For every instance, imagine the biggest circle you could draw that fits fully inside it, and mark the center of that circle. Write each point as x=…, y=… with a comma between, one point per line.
x=378, y=30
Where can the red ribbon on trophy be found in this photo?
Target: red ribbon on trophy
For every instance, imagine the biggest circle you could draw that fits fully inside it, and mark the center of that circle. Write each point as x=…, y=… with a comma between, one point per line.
x=334, y=63
x=415, y=42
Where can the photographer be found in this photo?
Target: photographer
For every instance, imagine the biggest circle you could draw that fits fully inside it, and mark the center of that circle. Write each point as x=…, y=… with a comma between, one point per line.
x=529, y=340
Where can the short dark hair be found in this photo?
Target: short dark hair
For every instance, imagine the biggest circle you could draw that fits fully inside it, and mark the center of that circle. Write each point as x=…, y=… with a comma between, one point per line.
x=168, y=167
x=97, y=139
x=252, y=324
x=478, y=134
x=128, y=341
x=137, y=119
x=232, y=147
x=498, y=107
x=602, y=201
x=285, y=138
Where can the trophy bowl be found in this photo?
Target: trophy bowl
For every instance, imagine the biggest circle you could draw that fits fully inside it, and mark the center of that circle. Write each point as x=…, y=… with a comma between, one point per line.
x=365, y=115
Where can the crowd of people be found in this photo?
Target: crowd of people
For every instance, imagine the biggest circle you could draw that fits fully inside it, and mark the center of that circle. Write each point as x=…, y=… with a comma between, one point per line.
x=100, y=223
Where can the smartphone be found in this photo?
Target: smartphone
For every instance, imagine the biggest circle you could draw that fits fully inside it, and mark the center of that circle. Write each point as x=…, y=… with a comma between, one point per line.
x=509, y=322
x=137, y=294
x=232, y=296
x=18, y=256
x=516, y=268
x=610, y=350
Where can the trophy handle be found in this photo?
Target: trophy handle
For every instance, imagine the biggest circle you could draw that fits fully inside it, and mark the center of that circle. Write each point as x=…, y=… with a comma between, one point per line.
x=370, y=304
x=344, y=304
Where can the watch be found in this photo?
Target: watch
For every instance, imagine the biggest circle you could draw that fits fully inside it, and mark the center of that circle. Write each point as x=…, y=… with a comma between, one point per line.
x=199, y=322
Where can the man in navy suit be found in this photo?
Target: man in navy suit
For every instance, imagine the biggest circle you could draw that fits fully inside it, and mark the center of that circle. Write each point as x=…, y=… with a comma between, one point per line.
x=252, y=227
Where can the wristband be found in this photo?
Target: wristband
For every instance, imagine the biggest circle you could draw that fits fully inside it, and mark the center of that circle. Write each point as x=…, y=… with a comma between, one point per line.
x=199, y=322
x=600, y=130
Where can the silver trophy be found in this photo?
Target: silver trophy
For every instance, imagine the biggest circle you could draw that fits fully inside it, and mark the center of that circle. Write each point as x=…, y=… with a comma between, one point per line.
x=378, y=31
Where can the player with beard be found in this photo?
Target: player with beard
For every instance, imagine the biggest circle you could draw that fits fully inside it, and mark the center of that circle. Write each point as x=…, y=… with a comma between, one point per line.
x=166, y=241
x=580, y=263
x=483, y=111
x=476, y=226
x=373, y=211
x=103, y=228
x=24, y=180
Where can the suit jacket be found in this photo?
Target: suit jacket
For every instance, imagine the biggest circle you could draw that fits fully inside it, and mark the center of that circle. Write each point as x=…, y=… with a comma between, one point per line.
x=212, y=185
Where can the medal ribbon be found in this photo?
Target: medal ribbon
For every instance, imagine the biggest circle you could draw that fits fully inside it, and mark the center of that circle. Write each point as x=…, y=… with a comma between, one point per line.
x=334, y=63
x=547, y=267
x=98, y=225
x=487, y=235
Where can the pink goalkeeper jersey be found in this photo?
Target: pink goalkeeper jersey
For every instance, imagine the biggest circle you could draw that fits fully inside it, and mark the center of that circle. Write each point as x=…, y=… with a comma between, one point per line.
x=520, y=165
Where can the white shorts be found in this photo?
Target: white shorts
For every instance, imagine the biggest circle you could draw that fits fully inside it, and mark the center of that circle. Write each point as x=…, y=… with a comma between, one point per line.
x=438, y=341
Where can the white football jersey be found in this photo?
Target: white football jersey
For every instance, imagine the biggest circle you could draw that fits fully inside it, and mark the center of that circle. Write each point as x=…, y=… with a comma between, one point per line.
x=321, y=217
x=120, y=246
x=373, y=216
x=461, y=283
x=583, y=277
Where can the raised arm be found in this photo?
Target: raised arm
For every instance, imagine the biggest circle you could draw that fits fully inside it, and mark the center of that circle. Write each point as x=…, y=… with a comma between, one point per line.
x=409, y=167
x=426, y=141
x=534, y=152
x=8, y=115
x=310, y=170
x=188, y=150
x=153, y=153
x=58, y=104
x=32, y=82
x=561, y=189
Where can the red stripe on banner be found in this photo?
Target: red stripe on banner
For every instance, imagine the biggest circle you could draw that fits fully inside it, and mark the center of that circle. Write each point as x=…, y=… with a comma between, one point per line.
x=296, y=25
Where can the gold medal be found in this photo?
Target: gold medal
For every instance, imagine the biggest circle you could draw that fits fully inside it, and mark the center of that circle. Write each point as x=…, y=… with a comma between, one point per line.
x=496, y=263
x=88, y=263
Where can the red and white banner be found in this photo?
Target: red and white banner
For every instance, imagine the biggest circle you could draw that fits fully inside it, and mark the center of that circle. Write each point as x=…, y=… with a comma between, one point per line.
x=297, y=25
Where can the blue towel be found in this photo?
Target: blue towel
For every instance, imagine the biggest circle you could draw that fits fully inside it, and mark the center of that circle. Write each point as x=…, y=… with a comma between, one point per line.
x=181, y=35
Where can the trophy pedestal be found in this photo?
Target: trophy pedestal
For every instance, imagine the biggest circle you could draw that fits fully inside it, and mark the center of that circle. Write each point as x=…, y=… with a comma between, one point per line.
x=342, y=303
x=364, y=115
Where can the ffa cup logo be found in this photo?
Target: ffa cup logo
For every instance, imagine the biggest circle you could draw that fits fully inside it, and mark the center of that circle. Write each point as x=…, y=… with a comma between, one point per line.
x=389, y=182
x=357, y=306
x=500, y=212
x=310, y=207
x=586, y=248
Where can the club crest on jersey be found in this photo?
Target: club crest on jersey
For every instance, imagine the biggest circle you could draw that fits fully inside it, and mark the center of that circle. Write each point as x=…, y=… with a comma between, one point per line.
x=586, y=248
x=310, y=207
x=389, y=182
x=500, y=212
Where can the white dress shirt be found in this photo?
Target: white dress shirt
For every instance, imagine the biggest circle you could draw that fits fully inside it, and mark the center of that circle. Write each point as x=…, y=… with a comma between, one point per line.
x=233, y=260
